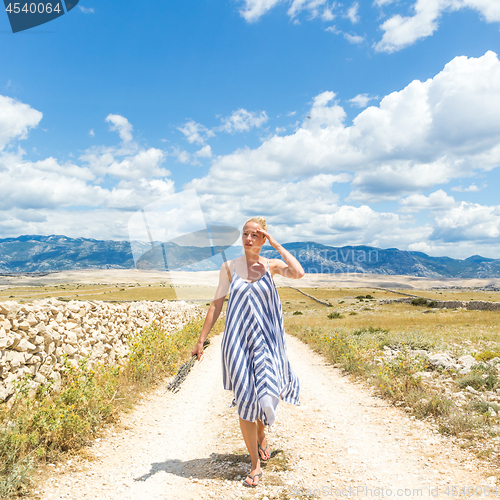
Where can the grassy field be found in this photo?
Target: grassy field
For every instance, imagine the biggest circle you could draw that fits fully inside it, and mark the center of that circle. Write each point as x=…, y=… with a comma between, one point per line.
x=356, y=332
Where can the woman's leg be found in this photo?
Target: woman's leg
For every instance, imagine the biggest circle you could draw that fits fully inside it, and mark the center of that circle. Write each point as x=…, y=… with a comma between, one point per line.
x=249, y=431
x=261, y=437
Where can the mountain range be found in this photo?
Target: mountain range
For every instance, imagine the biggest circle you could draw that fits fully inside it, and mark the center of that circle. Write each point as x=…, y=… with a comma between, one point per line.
x=45, y=254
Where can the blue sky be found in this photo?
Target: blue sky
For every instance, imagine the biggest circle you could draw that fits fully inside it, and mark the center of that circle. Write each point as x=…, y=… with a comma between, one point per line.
x=373, y=123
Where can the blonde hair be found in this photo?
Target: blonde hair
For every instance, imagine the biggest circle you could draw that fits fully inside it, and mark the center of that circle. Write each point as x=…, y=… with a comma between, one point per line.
x=259, y=220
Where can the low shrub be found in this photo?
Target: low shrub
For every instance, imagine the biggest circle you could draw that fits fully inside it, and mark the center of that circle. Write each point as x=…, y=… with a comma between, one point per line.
x=420, y=301
x=432, y=404
x=483, y=407
x=458, y=423
x=297, y=313
x=481, y=377
x=335, y=315
x=487, y=355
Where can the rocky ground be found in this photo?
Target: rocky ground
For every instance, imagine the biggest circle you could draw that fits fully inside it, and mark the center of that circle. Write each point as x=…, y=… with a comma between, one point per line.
x=341, y=442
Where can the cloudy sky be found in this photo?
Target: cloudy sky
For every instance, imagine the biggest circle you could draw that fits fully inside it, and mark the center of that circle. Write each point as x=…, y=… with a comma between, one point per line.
x=367, y=122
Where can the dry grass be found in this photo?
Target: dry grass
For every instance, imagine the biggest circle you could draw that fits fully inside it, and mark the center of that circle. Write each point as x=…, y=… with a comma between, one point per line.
x=353, y=338
x=109, y=293
x=444, y=327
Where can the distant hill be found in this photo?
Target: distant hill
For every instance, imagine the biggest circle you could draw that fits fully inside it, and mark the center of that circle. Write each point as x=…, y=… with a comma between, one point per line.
x=57, y=253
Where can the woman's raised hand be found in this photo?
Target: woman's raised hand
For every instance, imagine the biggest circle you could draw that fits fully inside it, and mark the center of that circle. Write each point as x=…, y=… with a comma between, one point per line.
x=271, y=240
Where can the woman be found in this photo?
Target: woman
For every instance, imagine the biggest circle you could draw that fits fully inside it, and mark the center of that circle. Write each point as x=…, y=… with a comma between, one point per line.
x=255, y=365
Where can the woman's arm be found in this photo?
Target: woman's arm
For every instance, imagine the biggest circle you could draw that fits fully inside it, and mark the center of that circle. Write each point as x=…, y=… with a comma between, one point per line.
x=291, y=268
x=213, y=311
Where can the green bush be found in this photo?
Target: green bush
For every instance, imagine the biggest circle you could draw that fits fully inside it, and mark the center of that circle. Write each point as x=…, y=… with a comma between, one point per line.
x=297, y=313
x=481, y=377
x=487, y=355
x=419, y=302
x=483, y=407
x=335, y=315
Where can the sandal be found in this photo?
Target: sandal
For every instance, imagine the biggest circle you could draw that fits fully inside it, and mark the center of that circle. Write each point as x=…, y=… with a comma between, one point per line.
x=264, y=452
x=248, y=485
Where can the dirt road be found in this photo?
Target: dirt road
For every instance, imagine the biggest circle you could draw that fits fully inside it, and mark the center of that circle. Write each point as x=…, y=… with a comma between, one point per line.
x=341, y=442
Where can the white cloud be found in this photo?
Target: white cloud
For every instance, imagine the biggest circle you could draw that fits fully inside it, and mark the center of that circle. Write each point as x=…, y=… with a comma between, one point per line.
x=86, y=10
x=121, y=125
x=362, y=100
x=401, y=31
x=333, y=29
x=416, y=139
x=472, y=188
x=16, y=118
x=53, y=197
x=316, y=8
x=243, y=120
x=354, y=39
x=255, y=9
x=204, y=152
x=468, y=221
x=323, y=9
x=91, y=132
x=438, y=200
x=353, y=13
x=426, y=134
x=196, y=132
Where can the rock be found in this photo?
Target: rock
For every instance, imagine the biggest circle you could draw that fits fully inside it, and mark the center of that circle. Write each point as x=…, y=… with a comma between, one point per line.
x=31, y=319
x=442, y=360
x=467, y=360
x=472, y=390
x=5, y=324
x=40, y=327
x=24, y=345
x=23, y=325
x=35, y=338
x=69, y=350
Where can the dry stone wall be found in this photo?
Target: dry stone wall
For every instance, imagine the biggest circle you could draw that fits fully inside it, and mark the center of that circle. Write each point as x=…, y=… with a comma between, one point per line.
x=473, y=305
x=35, y=338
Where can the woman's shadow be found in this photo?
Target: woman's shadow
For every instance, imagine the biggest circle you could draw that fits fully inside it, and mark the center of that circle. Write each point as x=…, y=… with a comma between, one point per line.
x=217, y=466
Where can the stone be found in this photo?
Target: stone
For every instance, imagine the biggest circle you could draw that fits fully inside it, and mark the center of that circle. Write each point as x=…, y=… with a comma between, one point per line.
x=71, y=338
x=25, y=345
x=467, y=361
x=69, y=350
x=17, y=359
x=40, y=327
x=472, y=390
x=442, y=360
x=24, y=325
x=5, y=324
x=31, y=319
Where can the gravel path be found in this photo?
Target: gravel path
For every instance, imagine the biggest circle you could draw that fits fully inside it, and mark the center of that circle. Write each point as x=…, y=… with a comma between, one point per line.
x=341, y=442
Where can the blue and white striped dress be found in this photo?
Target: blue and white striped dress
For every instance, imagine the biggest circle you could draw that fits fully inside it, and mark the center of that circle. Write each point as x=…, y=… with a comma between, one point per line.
x=255, y=364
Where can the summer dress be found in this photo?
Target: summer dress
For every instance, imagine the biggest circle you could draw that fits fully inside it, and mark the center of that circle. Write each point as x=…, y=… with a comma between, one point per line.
x=255, y=364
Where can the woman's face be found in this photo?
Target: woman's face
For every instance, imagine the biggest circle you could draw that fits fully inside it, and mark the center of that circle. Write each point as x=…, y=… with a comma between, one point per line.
x=251, y=238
